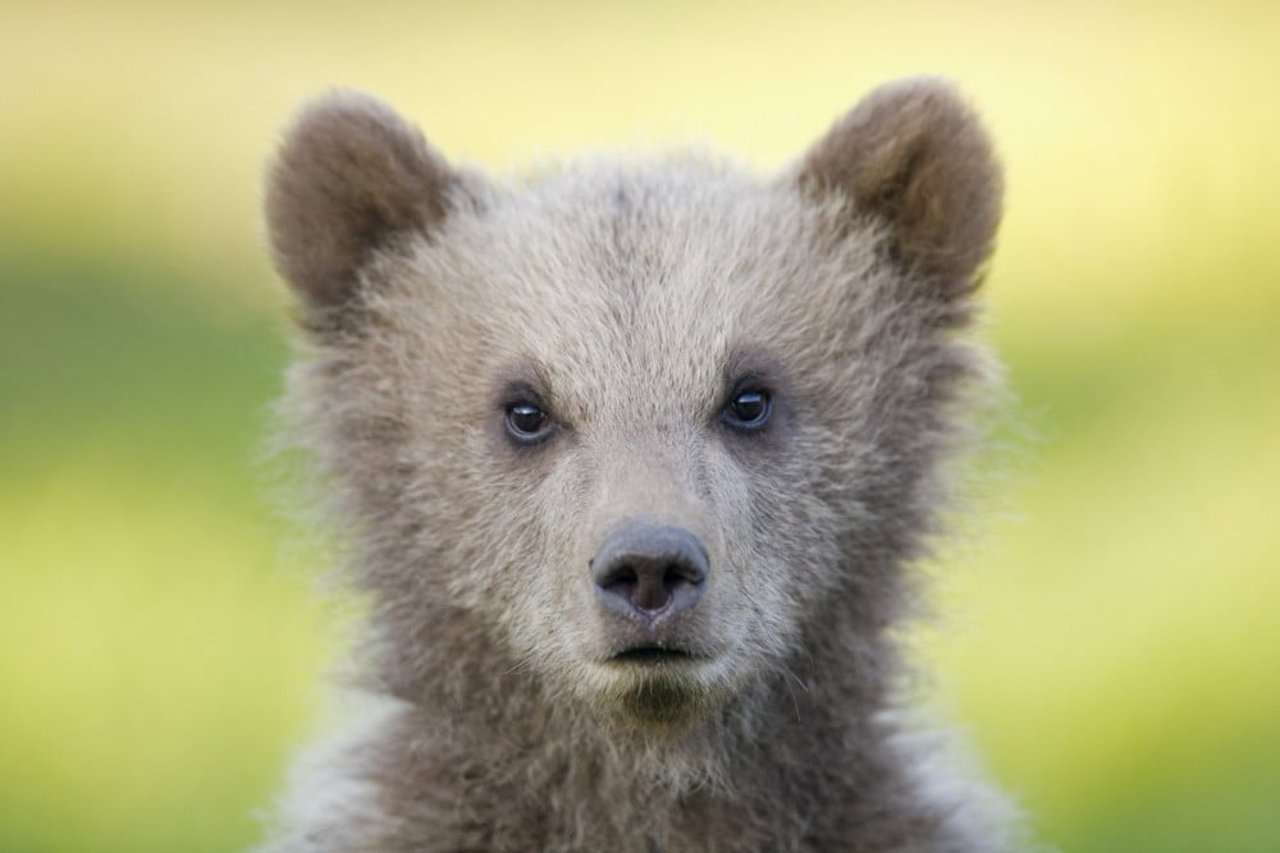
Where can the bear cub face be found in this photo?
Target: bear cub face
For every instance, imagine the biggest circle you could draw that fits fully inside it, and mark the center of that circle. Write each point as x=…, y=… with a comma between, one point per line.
x=652, y=434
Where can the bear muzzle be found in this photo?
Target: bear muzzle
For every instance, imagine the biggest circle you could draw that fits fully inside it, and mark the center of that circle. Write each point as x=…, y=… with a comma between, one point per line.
x=648, y=580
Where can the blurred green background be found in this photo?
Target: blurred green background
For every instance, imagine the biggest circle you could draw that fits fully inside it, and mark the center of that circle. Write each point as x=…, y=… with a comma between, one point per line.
x=1110, y=638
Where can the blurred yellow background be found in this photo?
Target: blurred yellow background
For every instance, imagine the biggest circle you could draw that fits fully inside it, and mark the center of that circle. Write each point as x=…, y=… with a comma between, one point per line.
x=1111, y=639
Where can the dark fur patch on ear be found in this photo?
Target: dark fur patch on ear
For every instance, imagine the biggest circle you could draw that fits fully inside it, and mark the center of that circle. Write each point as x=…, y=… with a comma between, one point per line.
x=914, y=153
x=350, y=175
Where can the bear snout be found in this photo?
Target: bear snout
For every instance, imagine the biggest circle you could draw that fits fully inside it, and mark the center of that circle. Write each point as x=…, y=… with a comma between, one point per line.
x=650, y=573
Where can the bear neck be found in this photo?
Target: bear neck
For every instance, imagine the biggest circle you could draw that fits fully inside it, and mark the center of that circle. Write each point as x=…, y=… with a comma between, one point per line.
x=484, y=735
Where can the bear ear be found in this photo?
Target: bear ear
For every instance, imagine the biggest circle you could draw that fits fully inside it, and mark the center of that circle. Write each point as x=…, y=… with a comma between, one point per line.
x=350, y=175
x=915, y=155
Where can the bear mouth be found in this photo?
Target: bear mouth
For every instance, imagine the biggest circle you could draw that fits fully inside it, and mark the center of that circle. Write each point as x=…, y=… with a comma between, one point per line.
x=652, y=655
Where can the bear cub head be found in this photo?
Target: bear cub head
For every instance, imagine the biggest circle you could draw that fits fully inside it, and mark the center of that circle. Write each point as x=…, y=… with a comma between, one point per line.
x=646, y=439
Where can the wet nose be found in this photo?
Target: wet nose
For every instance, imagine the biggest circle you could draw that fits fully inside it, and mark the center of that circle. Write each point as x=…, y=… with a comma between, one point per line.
x=648, y=570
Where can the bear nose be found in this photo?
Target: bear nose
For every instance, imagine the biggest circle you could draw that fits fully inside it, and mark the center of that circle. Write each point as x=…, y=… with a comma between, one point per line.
x=646, y=570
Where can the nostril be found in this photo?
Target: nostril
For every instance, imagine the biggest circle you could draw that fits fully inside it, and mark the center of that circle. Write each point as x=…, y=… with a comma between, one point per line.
x=646, y=590
x=622, y=582
x=681, y=573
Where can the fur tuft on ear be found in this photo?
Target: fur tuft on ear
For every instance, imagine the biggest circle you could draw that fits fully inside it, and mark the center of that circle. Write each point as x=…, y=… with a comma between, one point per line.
x=913, y=153
x=350, y=174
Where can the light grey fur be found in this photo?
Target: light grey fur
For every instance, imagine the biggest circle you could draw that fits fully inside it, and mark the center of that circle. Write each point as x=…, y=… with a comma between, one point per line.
x=631, y=295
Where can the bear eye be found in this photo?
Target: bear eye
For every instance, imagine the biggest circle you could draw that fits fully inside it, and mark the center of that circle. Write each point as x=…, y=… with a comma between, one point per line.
x=749, y=409
x=527, y=423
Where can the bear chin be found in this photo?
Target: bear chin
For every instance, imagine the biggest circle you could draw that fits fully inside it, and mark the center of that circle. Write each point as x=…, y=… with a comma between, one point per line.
x=658, y=697
x=660, y=702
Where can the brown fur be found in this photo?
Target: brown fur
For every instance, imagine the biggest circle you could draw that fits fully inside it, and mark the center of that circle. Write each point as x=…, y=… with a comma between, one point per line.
x=630, y=296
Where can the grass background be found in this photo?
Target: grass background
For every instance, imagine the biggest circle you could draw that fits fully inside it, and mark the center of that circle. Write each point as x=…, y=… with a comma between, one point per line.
x=1111, y=637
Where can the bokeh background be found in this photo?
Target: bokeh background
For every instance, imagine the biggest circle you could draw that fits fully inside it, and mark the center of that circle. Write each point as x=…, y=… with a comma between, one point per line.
x=1111, y=634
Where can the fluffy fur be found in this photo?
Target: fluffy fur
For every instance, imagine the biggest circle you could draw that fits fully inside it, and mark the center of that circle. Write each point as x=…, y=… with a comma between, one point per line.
x=631, y=296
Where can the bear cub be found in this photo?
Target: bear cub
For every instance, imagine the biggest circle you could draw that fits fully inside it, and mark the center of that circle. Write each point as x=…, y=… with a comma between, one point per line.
x=633, y=460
